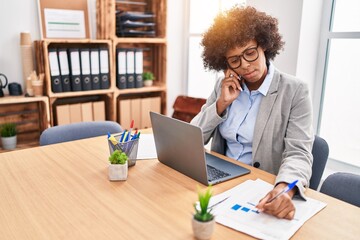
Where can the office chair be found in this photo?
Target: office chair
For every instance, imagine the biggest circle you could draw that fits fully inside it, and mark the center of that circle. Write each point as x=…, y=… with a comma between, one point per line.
x=320, y=152
x=343, y=186
x=76, y=131
x=186, y=108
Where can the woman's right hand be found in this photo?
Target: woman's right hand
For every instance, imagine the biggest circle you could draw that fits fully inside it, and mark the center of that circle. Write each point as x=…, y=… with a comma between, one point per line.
x=230, y=90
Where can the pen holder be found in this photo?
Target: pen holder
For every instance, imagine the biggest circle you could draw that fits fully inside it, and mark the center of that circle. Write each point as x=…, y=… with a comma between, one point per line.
x=130, y=148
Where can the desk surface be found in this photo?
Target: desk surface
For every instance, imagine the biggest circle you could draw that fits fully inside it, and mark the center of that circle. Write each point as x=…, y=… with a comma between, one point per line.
x=62, y=191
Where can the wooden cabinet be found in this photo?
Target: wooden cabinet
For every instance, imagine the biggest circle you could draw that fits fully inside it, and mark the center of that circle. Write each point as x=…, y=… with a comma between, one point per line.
x=155, y=48
x=137, y=109
x=154, y=58
x=30, y=114
x=70, y=97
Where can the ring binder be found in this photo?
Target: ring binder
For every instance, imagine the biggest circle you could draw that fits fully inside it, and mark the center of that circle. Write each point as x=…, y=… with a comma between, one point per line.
x=64, y=70
x=75, y=69
x=94, y=68
x=54, y=71
x=130, y=68
x=85, y=69
x=138, y=68
x=121, y=68
x=104, y=68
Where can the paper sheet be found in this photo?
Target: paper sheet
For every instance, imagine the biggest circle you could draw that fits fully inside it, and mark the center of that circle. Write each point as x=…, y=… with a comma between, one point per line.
x=60, y=23
x=238, y=211
x=146, y=149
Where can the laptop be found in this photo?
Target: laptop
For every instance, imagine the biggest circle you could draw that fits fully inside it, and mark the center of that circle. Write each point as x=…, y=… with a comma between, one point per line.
x=180, y=146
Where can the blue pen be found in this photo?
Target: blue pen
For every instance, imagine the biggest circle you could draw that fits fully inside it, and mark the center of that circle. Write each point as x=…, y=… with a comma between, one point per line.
x=285, y=190
x=122, y=136
x=134, y=136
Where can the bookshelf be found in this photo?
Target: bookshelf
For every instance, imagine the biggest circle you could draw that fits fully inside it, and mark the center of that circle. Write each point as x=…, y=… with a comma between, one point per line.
x=155, y=47
x=58, y=98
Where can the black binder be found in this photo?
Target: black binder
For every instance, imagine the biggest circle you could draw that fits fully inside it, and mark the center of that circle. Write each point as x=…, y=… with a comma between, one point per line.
x=130, y=68
x=64, y=69
x=121, y=68
x=54, y=71
x=95, y=68
x=75, y=70
x=85, y=69
x=138, y=68
x=104, y=68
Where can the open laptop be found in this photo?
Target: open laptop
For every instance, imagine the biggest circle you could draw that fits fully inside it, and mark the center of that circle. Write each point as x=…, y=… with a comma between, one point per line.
x=180, y=146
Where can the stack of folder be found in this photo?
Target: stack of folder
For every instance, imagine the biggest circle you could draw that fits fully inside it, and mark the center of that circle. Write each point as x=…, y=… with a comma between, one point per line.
x=79, y=69
x=129, y=62
x=135, y=24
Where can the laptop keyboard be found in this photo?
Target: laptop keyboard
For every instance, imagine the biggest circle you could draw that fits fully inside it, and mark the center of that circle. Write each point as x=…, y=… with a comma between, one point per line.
x=214, y=173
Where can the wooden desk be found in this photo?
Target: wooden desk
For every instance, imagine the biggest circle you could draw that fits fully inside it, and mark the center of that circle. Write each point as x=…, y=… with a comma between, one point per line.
x=62, y=191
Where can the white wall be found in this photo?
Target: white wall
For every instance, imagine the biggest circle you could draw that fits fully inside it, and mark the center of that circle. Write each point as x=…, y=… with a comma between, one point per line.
x=16, y=16
x=289, y=15
x=299, y=23
x=176, y=76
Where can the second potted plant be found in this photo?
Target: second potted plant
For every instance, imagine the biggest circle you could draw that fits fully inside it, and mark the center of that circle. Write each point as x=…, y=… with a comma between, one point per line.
x=118, y=168
x=203, y=221
x=148, y=78
x=8, y=136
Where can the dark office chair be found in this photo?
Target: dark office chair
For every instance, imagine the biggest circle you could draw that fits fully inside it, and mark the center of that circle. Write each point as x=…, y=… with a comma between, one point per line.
x=186, y=108
x=76, y=131
x=343, y=186
x=320, y=152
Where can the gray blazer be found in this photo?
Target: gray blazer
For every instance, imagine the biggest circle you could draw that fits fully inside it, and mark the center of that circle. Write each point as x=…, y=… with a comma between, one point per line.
x=283, y=135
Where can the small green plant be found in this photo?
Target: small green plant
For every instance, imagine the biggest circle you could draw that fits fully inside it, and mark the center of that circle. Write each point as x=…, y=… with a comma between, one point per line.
x=204, y=214
x=8, y=130
x=118, y=157
x=148, y=76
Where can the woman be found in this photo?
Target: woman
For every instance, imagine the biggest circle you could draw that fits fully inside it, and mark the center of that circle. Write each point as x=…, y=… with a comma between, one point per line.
x=257, y=114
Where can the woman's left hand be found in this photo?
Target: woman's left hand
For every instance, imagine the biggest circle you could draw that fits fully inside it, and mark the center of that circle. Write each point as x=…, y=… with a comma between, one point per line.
x=280, y=207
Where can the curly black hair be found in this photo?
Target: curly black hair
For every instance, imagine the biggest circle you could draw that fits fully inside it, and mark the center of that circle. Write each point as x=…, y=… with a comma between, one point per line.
x=235, y=28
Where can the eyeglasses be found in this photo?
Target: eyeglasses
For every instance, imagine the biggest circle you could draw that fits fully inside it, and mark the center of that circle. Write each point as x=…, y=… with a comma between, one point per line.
x=249, y=55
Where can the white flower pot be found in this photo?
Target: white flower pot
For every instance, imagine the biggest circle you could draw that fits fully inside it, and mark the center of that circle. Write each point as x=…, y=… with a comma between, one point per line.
x=203, y=230
x=118, y=172
x=9, y=143
x=148, y=83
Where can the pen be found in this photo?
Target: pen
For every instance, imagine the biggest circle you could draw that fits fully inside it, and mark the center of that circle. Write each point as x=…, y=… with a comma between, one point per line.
x=285, y=190
x=215, y=204
x=130, y=130
x=134, y=136
x=112, y=139
x=125, y=136
x=122, y=136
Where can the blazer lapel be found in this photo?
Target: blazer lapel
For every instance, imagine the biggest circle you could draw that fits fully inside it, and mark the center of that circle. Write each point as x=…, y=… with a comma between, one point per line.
x=265, y=109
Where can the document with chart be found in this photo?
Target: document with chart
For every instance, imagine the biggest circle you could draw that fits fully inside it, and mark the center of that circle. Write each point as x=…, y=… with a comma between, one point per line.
x=237, y=210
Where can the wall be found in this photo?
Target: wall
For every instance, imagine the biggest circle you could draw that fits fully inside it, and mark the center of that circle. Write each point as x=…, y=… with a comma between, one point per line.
x=299, y=23
x=13, y=20
x=176, y=80
x=289, y=16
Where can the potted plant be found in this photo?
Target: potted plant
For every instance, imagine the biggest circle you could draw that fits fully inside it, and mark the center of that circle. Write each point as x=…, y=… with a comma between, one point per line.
x=203, y=221
x=8, y=136
x=118, y=168
x=148, y=78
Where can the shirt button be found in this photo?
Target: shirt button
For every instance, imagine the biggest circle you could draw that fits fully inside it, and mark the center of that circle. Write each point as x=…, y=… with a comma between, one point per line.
x=256, y=164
